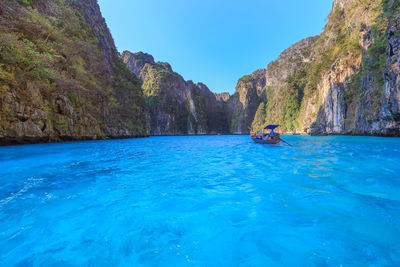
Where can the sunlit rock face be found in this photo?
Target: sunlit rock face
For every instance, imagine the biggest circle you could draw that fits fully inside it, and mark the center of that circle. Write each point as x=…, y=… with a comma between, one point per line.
x=343, y=81
x=61, y=77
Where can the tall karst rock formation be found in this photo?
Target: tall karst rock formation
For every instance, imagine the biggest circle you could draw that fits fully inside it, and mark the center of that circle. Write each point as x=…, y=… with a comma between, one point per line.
x=244, y=102
x=343, y=81
x=61, y=77
x=177, y=106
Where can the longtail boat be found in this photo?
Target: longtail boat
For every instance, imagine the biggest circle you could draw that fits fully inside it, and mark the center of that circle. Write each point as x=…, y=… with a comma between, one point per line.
x=260, y=137
x=267, y=142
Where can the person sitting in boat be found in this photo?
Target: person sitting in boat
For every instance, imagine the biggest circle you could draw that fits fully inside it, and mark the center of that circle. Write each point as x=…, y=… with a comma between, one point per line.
x=272, y=134
x=257, y=135
x=265, y=136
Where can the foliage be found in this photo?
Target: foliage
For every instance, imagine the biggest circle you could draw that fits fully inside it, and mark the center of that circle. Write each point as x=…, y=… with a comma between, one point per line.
x=339, y=45
x=246, y=79
x=157, y=75
x=199, y=102
x=156, y=84
x=371, y=72
x=27, y=2
x=74, y=99
x=236, y=114
x=290, y=109
x=259, y=119
x=53, y=47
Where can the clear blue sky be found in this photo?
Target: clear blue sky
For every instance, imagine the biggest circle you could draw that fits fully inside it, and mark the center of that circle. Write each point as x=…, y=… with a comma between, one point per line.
x=213, y=41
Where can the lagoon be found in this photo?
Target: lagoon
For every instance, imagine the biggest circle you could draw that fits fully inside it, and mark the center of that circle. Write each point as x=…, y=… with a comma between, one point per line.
x=201, y=201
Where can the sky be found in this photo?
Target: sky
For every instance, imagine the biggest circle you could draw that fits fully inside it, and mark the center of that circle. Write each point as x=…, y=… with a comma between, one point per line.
x=213, y=41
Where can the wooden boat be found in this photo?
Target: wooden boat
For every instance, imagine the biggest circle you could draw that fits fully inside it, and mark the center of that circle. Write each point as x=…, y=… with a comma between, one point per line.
x=258, y=138
x=274, y=141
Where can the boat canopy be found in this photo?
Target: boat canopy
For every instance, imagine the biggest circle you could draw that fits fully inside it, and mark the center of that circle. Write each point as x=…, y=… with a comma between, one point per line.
x=271, y=127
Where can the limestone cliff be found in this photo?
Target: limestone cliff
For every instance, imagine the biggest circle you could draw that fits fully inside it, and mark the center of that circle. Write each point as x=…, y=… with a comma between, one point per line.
x=177, y=106
x=61, y=77
x=245, y=101
x=344, y=81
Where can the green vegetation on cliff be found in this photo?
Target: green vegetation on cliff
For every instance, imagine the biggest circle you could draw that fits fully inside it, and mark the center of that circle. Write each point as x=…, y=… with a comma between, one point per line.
x=60, y=74
x=353, y=41
x=167, y=114
x=155, y=76
x=259, y=118
x=245, y=101
x=365, y=87
x=177, y=106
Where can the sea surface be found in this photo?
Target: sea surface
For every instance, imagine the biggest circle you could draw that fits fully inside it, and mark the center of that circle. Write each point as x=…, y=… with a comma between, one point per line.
x=201, y=201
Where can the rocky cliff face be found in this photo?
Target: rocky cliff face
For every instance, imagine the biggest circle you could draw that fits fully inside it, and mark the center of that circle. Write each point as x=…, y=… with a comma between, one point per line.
x=344, y=81
x=245, y=101
x=177, y=106
x=61, y=77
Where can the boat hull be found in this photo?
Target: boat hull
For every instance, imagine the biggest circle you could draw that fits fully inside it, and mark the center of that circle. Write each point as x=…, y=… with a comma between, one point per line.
x=266, y=142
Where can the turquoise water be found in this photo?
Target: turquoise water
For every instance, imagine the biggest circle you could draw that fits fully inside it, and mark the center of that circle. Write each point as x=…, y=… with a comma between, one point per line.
x=201, y=201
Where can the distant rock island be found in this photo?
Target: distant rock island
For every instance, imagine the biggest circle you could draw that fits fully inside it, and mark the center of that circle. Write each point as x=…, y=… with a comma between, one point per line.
x=61, y=78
